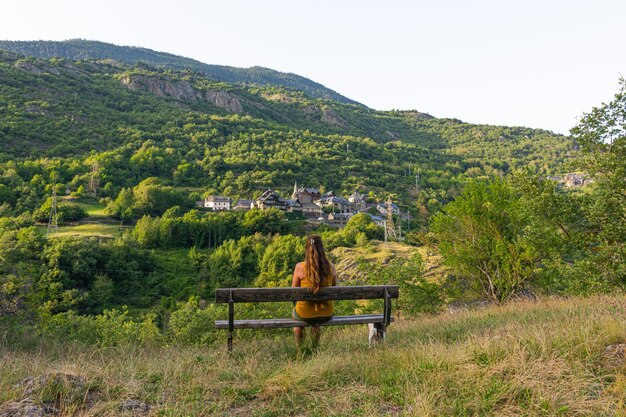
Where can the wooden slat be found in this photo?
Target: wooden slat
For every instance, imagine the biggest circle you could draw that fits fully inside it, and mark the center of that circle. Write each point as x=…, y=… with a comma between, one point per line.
x=251, y=295
x=285, y=323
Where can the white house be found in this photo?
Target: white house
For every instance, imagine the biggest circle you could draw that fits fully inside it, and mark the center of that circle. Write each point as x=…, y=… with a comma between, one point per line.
x=218, y=202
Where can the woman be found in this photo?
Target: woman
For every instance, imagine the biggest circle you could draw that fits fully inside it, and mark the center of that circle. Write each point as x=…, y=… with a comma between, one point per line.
x=315, y=272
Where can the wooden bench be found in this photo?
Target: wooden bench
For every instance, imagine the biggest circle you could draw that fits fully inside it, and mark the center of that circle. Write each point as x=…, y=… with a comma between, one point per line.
x=290, y=294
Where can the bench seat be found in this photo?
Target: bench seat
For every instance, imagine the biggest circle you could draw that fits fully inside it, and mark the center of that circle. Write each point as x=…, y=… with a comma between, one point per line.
x=286, y=323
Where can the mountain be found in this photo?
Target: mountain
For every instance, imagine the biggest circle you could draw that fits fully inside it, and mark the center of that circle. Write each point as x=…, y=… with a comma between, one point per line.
x=79, y=49
x=60, y=117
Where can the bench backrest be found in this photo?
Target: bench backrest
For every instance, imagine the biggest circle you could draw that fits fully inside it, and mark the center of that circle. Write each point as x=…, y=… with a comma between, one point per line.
x=251, y=295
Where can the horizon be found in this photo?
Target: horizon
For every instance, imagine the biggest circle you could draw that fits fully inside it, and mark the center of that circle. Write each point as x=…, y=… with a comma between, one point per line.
x=542, y=69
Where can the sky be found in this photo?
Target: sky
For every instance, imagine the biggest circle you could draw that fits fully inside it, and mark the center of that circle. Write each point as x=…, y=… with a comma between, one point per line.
x=534, y=63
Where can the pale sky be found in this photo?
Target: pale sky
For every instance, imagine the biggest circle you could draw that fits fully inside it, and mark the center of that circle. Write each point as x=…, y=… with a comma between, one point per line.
x=535, y=63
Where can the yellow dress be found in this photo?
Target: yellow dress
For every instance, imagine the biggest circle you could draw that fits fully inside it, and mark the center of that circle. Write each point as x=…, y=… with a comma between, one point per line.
x=315, y=309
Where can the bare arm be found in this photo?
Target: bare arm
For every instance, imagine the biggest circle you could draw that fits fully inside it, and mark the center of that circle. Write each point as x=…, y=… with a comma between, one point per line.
x=297, y=275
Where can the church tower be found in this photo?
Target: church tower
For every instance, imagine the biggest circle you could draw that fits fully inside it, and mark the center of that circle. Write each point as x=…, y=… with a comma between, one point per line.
x=294, y=195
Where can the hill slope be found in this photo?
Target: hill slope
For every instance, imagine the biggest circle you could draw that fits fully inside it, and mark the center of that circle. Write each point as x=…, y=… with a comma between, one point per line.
x=60, y=117
x=507, y=361
x=79, y=49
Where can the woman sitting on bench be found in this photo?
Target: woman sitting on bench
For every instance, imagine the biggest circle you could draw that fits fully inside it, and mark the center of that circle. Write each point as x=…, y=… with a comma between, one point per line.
x=315, y=272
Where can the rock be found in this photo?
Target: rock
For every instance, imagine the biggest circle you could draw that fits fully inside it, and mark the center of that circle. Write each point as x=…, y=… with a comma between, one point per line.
x=27, y=66
x=224, y=100
x=135, y=406
x=26, y=408
x=180, y=90
x=35, y=384
x=60, y=389
x=331, y=117
x=616, y=351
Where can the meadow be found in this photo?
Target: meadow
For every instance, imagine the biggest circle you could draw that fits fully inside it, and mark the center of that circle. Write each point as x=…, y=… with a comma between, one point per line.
x=554, y=357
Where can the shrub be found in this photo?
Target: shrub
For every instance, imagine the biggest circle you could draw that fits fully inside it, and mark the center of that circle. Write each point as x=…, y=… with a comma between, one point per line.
x=191, y=325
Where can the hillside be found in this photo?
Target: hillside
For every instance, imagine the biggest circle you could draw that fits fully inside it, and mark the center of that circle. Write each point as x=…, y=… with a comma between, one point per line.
x=189, y=131
x=80, y=49
x=515, y=360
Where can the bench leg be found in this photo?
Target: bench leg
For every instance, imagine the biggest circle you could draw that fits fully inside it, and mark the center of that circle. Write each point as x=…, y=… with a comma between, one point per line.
x=377, y=333
x=231, y=321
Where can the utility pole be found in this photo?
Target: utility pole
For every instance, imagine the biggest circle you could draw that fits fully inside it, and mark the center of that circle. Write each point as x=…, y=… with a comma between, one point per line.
x=390, y=229
x=53, y=221
x=94, y=179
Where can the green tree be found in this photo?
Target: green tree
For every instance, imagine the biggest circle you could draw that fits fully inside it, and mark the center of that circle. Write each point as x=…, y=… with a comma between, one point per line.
x=278, y=261
x=265, y=221
x=481, y=235
x=601, y=134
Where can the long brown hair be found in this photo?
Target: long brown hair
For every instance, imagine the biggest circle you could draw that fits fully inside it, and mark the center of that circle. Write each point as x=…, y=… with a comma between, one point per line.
x=316, y=265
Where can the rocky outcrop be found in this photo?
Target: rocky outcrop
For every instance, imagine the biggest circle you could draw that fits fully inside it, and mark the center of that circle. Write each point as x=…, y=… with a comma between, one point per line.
x=44, y=395
x=27, y=408
x=35, y=384
x=224, y=100
x=182, y=91
x=331, y=117
x=326, y=114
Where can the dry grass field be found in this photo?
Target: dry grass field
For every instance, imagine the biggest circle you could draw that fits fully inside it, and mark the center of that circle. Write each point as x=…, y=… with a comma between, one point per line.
x=547, y=358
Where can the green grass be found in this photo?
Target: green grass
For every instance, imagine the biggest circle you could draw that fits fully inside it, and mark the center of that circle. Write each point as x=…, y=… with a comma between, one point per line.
x=89, y=229
x=523, y=359
x=91, y=205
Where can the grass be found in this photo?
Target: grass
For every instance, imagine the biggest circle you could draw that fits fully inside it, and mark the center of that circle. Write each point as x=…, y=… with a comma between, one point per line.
x=375, y=252
x=97, y=224
x=89, y=229
x=91, y=205
x=522, y=359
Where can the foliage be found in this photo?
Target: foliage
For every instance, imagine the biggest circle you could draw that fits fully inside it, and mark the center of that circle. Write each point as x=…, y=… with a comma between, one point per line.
x=190, y=325
x=264, y=221
x=602, y=135
x=65, y=213
x=278, y=261
x=482, y=236
x=111, y=328
x=358, y=231
x=417, y=295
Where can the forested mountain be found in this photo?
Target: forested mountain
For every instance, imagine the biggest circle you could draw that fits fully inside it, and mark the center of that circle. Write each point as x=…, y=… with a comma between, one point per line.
x=137, y=122
x=79, y=49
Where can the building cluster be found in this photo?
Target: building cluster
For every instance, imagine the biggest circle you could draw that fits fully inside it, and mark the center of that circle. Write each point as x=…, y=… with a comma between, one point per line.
x=311, y=203
x=572, y=180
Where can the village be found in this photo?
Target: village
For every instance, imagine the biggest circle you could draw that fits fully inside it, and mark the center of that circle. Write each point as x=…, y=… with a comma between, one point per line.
x=311, y=204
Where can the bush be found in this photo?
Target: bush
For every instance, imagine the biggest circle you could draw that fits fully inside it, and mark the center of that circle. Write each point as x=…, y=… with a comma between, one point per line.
x=111, y=328
x=65, y=212
x=192, y=326
x=416, y=294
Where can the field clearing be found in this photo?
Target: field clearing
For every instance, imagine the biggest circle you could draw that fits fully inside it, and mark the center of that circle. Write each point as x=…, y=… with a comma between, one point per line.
x=556, y=357
x=91, y=205
x=90, y=229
